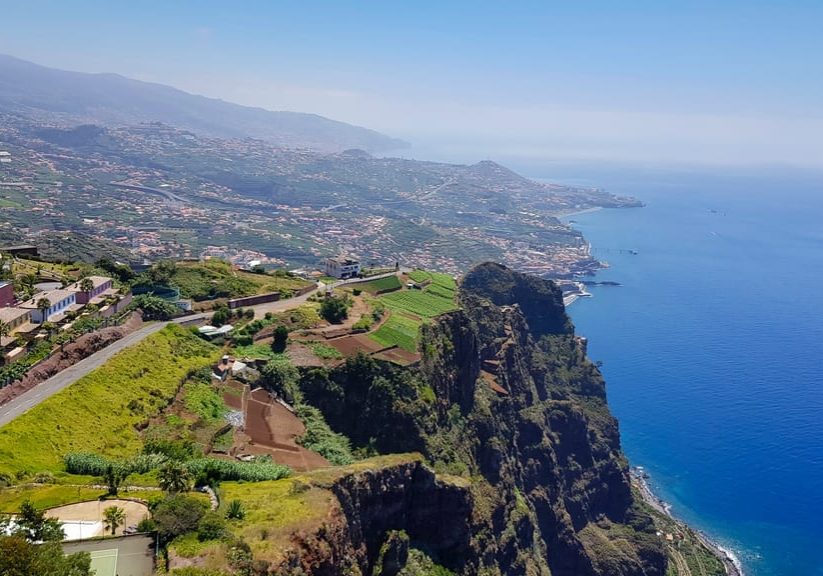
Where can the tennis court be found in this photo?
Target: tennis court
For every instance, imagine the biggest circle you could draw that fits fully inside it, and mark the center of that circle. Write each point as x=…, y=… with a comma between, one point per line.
x=104, y=562
x=119, y=555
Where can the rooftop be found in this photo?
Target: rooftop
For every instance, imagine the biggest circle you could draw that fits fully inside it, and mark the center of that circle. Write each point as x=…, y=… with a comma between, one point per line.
x=10, y=314
x=97, y=281
x=53, y=296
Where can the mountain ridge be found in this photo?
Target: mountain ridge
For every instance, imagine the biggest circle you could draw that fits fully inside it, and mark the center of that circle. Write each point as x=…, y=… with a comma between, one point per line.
x=49, y=94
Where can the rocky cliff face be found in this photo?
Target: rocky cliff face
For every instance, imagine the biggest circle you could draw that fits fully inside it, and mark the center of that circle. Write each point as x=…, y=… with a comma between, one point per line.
x=520, y=414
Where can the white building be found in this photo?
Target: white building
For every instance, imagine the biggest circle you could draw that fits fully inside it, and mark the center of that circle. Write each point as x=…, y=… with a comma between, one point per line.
x=60, y=302
x=342, y=267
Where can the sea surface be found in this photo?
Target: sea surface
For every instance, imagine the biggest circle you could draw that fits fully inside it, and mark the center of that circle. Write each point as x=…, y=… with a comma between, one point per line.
x=712, y=350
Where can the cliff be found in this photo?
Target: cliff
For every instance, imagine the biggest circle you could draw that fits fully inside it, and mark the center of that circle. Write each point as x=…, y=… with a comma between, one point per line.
x=521, y=470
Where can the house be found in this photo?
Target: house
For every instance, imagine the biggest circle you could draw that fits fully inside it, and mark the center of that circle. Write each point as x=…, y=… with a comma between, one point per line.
x=100, y=287
x=6, y=294
x=342, y=267
x=60, y=302
x=14, y=318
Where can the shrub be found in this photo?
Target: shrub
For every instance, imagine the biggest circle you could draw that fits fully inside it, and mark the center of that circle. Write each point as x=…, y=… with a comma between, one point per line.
x=154, y=307
x=211, y=527
x=177, y=515
x=209, y=470
x=280, y=339
x=221, y=316
x=282, y=377
x=334, y=447
x=85, y=463
x=235, y=510
x=334, y=309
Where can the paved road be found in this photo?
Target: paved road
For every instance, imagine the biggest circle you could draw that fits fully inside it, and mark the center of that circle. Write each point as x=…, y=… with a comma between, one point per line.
x=19, y=405
x=72, y=374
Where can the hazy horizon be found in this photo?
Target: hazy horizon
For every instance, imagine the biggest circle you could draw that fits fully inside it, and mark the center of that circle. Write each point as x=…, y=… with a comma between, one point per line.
x=636, y=83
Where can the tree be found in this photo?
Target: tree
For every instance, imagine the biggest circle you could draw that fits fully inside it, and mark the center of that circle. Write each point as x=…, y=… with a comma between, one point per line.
x=19, y=557
x=176, y=515
x=114, y=476
x=86, y=285
x=4, y=329
x=221, y=316
x=43, y=304
x=162, y=272
x=281, y=377
x=334, y=309
x=280, y=339
x=174, y=478
x=113, y=518
x=154, y=307
x=33, y=525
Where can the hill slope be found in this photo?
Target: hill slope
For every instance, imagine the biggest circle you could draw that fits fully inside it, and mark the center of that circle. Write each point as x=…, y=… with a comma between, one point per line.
x=73, y=97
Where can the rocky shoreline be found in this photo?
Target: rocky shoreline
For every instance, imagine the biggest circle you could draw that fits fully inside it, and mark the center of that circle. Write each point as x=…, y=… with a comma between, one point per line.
x=730, y=561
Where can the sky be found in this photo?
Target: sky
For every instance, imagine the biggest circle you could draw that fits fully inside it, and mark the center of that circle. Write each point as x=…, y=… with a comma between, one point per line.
x=665, y=81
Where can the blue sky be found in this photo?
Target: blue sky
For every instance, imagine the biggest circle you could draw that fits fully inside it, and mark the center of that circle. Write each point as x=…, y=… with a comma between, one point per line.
x=652, y=82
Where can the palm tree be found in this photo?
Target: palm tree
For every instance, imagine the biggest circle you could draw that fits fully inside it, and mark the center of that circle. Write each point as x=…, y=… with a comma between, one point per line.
x=86, y=285
x=43, y=304
x=174, y=478
x=113, y=518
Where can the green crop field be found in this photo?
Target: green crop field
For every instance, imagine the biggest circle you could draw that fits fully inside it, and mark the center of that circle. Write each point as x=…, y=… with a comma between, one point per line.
x=399, y=330
x=99, y=412
x=380, y=285
x=441, y=291
x=421, y=303
x=444, y=280
x=420, y=275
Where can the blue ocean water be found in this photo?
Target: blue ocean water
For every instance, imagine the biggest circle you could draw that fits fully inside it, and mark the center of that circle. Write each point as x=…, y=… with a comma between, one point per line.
x=712, y=350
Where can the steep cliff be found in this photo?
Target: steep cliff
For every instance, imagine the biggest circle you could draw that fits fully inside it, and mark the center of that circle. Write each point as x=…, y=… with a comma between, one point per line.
x=521, y=471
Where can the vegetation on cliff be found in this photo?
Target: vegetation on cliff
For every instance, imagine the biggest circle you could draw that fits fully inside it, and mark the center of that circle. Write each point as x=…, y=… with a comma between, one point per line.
x=521, y=469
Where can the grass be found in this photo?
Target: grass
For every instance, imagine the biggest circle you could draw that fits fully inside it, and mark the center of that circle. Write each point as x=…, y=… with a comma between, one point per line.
x=421, y=303
x=52, y=495
x=99, y=412
x=420, y=275
x=379, y=286
x=276, y=510
x=216, y=278
x=254, y=351
x=399, y=330
x=324, y=351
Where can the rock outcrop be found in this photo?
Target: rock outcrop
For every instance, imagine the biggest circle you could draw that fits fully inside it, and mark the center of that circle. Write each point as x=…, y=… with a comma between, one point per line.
x=519, y=415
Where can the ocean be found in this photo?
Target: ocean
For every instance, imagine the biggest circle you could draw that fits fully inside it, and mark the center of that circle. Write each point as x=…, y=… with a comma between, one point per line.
x=712, y=349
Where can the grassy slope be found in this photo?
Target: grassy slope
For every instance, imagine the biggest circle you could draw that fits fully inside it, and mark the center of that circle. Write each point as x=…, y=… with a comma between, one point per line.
x=276, y=510
x=99, y=412
x=196, y=278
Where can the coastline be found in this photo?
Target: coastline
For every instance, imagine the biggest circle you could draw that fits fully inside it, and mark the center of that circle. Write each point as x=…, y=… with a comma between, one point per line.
x=579, y=212
x=729, y=559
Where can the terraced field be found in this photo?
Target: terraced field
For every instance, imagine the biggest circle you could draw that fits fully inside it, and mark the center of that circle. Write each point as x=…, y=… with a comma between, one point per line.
x=412, y=307
x=422, y=303
x=399, y=330
x=380, y=285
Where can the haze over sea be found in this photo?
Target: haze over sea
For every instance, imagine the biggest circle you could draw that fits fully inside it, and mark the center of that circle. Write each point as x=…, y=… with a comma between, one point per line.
x=712, y=350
